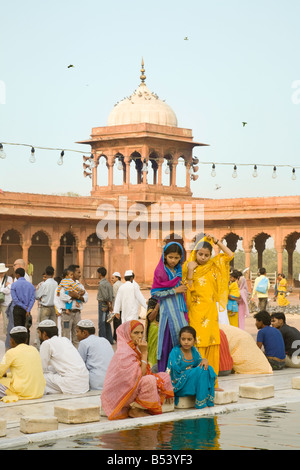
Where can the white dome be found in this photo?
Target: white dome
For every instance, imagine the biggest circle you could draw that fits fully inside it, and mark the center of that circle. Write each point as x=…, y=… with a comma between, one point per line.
x=142, y=106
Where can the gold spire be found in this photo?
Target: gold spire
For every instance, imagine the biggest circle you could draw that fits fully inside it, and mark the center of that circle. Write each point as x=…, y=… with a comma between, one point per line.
x=143, y=76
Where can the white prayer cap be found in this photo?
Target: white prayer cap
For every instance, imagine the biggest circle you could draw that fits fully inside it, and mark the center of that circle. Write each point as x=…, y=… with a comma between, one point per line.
x=117, y=274
x=86, y=324
x=18, y=329
x=129, y=272
x=47, y=324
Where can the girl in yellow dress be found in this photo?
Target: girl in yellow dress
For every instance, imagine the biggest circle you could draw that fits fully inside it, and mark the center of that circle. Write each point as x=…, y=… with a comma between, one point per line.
x=282, y=301
x=207, y=279
x=233, y=297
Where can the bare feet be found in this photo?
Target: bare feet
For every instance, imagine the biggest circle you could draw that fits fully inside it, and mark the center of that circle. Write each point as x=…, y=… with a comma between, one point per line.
x=137, y=413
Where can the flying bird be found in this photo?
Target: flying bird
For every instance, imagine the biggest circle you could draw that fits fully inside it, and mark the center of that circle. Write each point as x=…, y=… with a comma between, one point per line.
x=244, y=123
x=186, y=38
x=217, y=187
x=69, y=66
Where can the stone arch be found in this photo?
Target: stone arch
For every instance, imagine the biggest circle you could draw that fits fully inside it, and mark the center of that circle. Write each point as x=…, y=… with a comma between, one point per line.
x=102, y=170
x=290, y=242
x=93, y=256
x=67, y=251
x=11, y=248
x=39, y=254
x=232, y=239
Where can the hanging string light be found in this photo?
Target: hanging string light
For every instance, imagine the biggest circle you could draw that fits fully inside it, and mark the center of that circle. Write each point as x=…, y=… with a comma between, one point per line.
x=255, y=174
x=32, y=158
x=234, y=174
x=92, y=163
x=2, y=153
x=60, y=161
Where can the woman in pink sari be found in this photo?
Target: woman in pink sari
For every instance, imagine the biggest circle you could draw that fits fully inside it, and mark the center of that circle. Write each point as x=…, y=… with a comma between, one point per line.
x=129, y=378
x=243, y=301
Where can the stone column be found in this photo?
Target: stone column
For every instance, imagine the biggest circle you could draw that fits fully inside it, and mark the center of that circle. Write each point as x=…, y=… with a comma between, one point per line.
x=279, y=259
x=159, y=170
x=110, y=165
x=107, y=257
x=127, y=161
x=54, y=248
x=188, y=176
x=94, y=172
x=173, y=173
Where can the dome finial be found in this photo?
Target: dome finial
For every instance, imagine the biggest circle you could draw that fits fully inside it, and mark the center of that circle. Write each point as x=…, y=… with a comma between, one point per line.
x=143, y=76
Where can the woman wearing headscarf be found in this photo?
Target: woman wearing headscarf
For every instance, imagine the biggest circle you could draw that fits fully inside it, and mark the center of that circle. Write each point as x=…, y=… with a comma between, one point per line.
x=168, y=289
x=207, y=278
x=129, y=379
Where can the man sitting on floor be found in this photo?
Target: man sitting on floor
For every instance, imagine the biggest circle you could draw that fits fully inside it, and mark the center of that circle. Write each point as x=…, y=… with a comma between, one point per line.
x=291, y=338
x=271, y=339
x=26, y=380
x=95, y=351
x=63, y=367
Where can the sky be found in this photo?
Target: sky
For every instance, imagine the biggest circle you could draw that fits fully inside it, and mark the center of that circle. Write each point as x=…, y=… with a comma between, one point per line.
x=240, y=63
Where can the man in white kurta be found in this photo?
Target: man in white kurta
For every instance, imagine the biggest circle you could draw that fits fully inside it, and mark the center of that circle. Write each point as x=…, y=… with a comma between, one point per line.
x=63, y=367
x=129, y=299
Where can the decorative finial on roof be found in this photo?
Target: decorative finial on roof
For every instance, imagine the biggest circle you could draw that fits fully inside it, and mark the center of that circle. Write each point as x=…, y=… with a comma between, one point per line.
x=143, y=76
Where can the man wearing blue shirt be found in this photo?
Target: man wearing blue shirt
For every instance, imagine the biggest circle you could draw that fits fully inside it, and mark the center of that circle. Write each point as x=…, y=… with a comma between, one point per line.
x=23, y=298
x=269, y=338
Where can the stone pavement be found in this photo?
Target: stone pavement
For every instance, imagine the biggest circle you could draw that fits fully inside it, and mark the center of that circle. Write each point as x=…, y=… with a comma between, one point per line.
x=44, y=407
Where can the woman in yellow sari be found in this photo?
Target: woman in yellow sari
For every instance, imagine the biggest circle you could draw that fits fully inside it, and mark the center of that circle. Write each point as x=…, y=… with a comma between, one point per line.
x=282, y=301
x=207, y=279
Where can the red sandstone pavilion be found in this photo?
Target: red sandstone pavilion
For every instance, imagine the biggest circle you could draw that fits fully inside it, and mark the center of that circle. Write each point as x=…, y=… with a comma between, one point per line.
x=123, y=224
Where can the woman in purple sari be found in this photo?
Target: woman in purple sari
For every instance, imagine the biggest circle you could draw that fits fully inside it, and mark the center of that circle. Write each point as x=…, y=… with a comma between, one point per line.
x=169, y=292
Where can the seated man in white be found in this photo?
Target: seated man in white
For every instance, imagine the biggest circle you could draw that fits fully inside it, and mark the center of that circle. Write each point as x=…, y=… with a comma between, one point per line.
x=95, y=351
x=63, y=367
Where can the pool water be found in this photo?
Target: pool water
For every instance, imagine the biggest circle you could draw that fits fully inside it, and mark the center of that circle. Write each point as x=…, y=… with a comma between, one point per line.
x=276, y=428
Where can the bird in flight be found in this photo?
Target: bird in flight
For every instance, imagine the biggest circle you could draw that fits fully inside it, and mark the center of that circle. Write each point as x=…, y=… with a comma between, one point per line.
x=186, y=38
x=244, y=123
x=69, y=66
x=217, y=187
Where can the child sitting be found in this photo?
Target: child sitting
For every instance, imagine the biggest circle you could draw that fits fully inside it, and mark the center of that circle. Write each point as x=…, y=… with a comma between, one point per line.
x=190, y=374
x=233, y=297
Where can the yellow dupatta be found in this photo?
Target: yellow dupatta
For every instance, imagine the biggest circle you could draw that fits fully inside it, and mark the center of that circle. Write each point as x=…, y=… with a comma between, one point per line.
x=209, y=287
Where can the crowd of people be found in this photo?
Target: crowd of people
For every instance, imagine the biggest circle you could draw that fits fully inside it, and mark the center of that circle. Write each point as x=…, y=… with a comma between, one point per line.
x=193, y=333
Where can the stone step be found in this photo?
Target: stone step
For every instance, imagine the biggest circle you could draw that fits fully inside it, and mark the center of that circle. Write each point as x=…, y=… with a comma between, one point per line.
x=33, y=424
x=71, y=414
x=256, y=391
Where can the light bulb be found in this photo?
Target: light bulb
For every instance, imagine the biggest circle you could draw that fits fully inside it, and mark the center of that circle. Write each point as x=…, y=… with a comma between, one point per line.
x=234, y=174
x=92, y=164
x=120, y=166
x=293, y=174
x=274, y=174
x=32, y=158
x=255, y=174
x=167, y=170
x=145, y=167
x=213, y=171
x=60, y=161
x=191, y=170
x=2, y=153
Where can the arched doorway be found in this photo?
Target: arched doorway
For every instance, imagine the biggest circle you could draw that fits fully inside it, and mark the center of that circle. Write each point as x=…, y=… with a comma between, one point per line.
x=10, y=248
x=39, y=254
x=66, y=252
x=93, y=257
